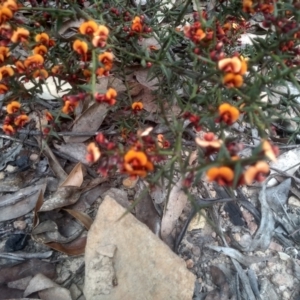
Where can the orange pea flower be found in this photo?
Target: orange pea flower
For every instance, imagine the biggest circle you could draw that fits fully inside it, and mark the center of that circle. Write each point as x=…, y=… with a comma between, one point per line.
x=106, y=59
x=8, y=129
x=20, y=35
x=100, y=36
x=137, y=25
x=40, y=73
x=21, y=120
x=267, y=8
x=10, y=4
x=3, y=89
x=6, y=71
x=20, y=67
x=41, y=49
x=222, y=175
x=69, y=107
x=5, y=14
x=93, y=153
x=210, y=143
x=89, y=27
x=137, y=106
x=42, y=38
x=233, y=65
x=228, y=113
x=162, y=142
x=248, y=6
x=34, y=61
x=13, y=107
x=4, y=53
x=198, y=36
x=81, y=48
x=269, y=150
x=257, y=172
x=56, y=69
x=110, y=96
x=49, y=116
x=136, y=163
x=87, y=74
x=232, y=80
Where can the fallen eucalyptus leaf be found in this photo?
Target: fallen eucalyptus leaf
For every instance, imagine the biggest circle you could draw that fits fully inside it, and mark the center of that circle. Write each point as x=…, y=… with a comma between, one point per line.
x=81, y=217
x=176, y=203
x=57, y=293
x=89, y=121
x=75, y=178
x=27, y=268
x=38, y=283
x=8, y=156
x=20, y=203
x=145, y=210
x=64, y=196
x=245, y=260
x=264, y=234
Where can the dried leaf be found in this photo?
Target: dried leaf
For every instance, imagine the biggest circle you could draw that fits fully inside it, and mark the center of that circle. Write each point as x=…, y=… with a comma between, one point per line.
x=82, y=217
x=57, y=293
x=27, y=268
x=77, y=151
x=52, y=160
x=89, y=121
x=75, y=178
x=145, y=210
x=142, y=76
x=64, y=196
x=38, y=283
x=18, y=204
x=245, y=260
x=175, y=206
x=76, y=247
x=8, y=156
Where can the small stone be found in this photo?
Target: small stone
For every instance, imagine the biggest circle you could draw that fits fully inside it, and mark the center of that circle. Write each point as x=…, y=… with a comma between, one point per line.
x=294, y=201
x=34, y=157
x=139, y=265
x=10, y=168
x=283, y=280
x=237, y=236
x=20, y=225
x=75, y=291
x=189, y=263
x=276, y=247
x=129, y=182
x=196, y=251
x=213, y=234
x=2, y=175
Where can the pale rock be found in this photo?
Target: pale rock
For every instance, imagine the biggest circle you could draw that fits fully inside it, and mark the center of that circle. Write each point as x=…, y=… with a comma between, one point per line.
x=119, y=195
x=294, y=201
x=189, y=263
x=125, y=260
x=20, y=225
x=283, y=280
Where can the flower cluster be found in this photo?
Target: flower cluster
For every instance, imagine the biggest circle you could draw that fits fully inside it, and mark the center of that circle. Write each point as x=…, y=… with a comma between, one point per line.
x=15, y=118
x=7, y=10
x=109, y=97
x=234, y=69
x=96, y=34
x=225, y=174
x=255, y=6
x=138, y=26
